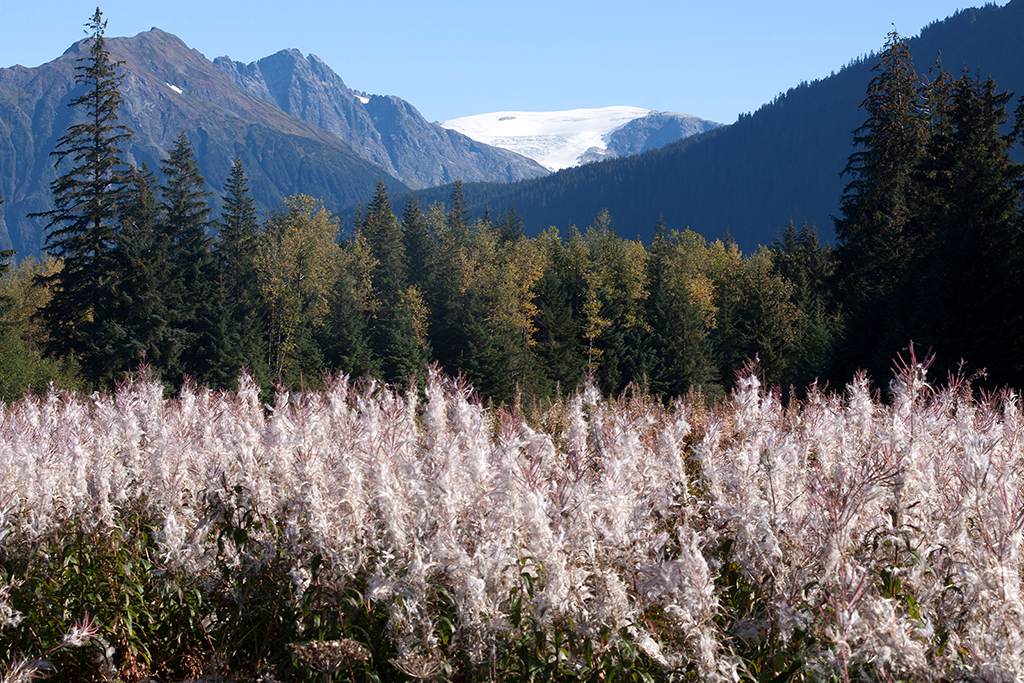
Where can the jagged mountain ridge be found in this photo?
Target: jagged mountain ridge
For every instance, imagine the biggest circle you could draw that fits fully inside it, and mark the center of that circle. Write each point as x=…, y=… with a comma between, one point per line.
x=385, y=130
x=654, y=131
x=167, y=87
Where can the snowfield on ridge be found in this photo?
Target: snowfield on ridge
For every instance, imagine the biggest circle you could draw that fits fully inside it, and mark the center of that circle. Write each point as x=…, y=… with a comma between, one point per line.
x=555, y=139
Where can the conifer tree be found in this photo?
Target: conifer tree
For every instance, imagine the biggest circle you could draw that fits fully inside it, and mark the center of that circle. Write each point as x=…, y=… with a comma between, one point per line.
x=142, y=331
x=968, y=285
x=343, y=338
x=875, y=238
x=393, y=329
x=800, y=259
x=560, y=356
x=244, y=343
x=419, y=243
x=184, y=222
x=458, y=213
x=510, y=227
x=384, y=236
x=681, y=314
x=82, y=223
x=460, y=336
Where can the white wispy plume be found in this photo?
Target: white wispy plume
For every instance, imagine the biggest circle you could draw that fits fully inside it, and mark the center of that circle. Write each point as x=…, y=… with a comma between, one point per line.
x=890, y=533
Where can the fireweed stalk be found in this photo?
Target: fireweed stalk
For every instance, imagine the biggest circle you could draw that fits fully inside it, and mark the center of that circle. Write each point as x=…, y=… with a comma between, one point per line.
x=885, y=538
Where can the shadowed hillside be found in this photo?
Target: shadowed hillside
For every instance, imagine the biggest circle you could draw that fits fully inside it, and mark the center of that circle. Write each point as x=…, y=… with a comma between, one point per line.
x=782, y=162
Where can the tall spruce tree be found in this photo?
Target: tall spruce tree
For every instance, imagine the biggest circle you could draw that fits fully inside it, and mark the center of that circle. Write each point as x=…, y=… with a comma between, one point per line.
x=875, y=239
x=244, y=343
x=141, y=331
x=184, y=223
x=82, y=224
x=799, y=258
x=393, y=336
x=561, y=358
x=511, y=227
x=419, y=243
x=968, y=286
x=459, y=215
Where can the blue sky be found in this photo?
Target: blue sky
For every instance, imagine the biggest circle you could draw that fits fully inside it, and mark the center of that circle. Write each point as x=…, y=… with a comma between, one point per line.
x=714, y=59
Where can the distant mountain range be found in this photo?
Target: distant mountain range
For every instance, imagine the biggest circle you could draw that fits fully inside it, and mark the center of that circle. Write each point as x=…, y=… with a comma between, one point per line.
x=385, y=130
x=781, y=163
x=299, y=128
x=561, y=139
x=292, y=120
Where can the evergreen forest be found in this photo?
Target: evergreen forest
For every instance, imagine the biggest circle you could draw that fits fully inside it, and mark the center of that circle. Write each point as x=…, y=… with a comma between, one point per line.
x=142, y=275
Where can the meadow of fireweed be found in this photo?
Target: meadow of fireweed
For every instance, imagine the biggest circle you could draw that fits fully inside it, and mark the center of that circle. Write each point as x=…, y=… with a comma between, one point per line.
x=836, y=538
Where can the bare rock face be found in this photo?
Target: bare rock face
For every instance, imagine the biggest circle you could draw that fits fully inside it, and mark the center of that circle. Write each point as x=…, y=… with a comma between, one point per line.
x=653, y=131
x=385, y=130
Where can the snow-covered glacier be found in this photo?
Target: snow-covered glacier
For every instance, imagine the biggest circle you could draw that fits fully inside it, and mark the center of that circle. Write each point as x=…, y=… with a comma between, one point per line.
x=560, y=139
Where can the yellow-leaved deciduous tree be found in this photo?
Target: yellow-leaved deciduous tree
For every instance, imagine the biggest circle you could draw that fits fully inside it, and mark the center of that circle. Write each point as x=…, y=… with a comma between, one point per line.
x=27, y=297
x=683, y=314
x=586, y=286
x=356, y=264
x=613, y=272
x=298, y=264
x=414, y=307
x=21, y=333
x=517, y=268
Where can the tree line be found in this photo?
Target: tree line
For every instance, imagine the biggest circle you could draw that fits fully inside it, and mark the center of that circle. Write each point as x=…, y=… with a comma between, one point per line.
x=144, y=274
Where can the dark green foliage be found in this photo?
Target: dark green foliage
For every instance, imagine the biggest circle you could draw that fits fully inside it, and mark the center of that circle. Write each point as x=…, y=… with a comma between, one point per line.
x=108, y=578
x=754, y=316
x=22, y=368
x=459, y=215
x=344, y=339
x=245, y=331
x=460, y=337
x=190, y=290
x=419, y=244
x=967, y=279
x=511, y=226
x=561, y=359
x=876, y=238
x=392, y=334
x=930, y=246
x=679, y=323
x=473, y=351
x=82, y=223
x=801, y=259
x=383, y=234
x=145, y=331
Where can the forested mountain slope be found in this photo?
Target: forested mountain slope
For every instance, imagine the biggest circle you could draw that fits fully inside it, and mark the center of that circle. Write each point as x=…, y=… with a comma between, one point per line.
x=782, y=162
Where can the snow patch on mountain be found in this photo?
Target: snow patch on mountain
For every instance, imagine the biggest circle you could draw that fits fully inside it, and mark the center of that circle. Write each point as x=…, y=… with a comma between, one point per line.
x=174, y=88
x=554, y=139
